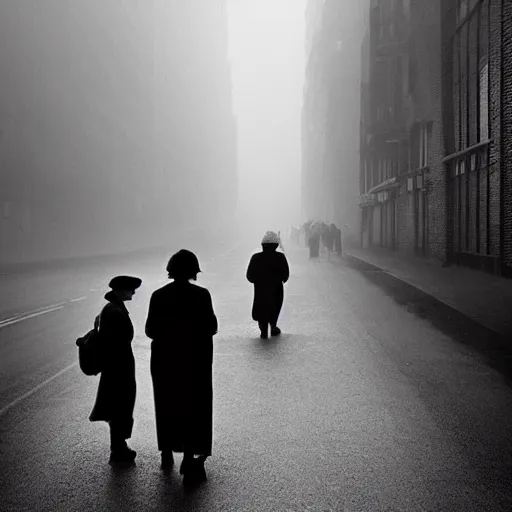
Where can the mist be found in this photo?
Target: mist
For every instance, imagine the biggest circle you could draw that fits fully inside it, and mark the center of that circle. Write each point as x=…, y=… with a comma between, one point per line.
x=266, y=45
x=116, y=125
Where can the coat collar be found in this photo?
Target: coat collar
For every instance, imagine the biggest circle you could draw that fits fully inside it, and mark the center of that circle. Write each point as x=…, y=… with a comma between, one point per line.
x=113, y=299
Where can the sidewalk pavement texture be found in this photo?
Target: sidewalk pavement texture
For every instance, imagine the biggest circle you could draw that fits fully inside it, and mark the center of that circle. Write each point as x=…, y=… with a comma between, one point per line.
x=485, y=298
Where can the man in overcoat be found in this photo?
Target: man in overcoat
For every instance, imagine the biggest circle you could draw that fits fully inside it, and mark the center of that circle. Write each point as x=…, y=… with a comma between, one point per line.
x=115, y=399
x=268, y=270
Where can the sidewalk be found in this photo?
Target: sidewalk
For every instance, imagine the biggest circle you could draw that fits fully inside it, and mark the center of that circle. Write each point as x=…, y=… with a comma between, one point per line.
x=482, y=297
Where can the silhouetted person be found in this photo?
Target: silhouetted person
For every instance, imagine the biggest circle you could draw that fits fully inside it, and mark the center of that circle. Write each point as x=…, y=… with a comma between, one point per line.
x=337, y=242
x=307, y=227
x=181, y=322
x=115, y=399
x=313, y=241
x=268, y=270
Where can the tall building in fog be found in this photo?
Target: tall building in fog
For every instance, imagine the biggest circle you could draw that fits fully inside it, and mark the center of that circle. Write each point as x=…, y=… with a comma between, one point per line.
x=116, y=124
x=330, y=121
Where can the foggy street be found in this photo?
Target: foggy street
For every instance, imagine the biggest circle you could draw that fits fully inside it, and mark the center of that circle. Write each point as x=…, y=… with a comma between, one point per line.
x=362, y=404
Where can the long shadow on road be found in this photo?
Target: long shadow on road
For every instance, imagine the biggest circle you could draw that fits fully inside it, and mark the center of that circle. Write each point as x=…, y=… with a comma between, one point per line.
x=495, y=348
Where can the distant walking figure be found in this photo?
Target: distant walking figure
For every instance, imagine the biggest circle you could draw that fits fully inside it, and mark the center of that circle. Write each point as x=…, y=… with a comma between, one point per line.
x=181, y=322
x=268, y=270
x=314, y=242
x=115, y=399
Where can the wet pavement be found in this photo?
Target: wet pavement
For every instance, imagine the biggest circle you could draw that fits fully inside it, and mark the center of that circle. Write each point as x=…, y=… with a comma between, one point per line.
x=377, y=397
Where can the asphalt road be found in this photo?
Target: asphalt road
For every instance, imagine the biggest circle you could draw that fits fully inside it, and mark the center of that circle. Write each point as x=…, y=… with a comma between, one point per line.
x=375, y=398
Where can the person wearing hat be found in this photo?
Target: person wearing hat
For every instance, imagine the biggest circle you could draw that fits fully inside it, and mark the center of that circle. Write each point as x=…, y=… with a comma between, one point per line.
x=115, y=398
x=181, y=324
x=268, y=270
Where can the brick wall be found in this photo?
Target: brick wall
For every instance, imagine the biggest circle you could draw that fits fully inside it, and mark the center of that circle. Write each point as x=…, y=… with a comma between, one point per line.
x=405, y=206
x=437, y=183
x=495, y=62
x=506, y=133
x=427, y=107
x=437, y=175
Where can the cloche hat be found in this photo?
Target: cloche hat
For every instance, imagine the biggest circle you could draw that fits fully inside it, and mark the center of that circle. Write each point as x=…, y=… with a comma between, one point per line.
x=183, y=263
x=125, y=283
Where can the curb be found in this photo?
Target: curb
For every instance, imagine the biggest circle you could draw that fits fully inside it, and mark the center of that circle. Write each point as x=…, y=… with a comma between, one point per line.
x=373, y=267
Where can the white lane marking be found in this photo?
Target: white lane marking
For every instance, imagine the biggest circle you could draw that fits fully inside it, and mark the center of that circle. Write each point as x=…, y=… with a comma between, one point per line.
x=26, y=317
x=33, y=390
x=36, y=312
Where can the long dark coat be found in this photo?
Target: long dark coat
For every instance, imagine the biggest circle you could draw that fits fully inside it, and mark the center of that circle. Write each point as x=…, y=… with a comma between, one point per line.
x=314, y=244
x=181, y=322
x=115, y=399
x=268, y=270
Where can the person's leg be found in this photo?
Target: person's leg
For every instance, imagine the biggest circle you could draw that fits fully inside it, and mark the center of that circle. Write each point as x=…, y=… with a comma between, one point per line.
x=187, y=462
x=167, y=459
x=274, y=330
x=193, y=467
x=117, y=440
x=263, y=328
x=120, y=430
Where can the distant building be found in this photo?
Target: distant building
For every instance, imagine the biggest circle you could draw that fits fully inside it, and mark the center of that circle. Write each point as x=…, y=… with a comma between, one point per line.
x=116, y=124
x=330, y=118
x=384, y=153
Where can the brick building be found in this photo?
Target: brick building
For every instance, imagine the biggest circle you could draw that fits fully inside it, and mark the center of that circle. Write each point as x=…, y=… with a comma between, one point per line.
x=384, y=144
x=436, y=129
x=476, y=107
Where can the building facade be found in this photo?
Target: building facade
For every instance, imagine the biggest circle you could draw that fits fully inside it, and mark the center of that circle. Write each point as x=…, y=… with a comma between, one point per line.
x=476, y=67
x=330, y=116
x=116, y=125
x=435, y=130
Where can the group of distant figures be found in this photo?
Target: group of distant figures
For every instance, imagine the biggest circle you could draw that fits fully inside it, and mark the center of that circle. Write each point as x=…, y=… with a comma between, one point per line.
x=318, y=234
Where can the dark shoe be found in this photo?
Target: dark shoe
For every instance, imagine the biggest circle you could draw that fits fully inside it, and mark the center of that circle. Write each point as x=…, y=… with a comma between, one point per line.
x=185, y=465
x=275, y=331
x=167, y=460
x=125, y=456
x=264, y=330
x=193, y=470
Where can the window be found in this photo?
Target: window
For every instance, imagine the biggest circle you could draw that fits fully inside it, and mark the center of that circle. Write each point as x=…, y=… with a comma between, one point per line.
x=420, y=146
x=484, y=103
x=462, y=11
x=470, y=50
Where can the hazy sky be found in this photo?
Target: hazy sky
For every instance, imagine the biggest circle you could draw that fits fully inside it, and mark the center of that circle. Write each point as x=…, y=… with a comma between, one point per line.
x=267, y=56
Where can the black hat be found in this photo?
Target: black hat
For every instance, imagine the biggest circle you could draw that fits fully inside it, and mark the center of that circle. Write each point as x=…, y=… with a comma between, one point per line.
x=125, y=283
x=184, y=263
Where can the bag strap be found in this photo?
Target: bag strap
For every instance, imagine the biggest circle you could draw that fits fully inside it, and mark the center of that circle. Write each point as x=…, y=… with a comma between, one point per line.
x=97, y=321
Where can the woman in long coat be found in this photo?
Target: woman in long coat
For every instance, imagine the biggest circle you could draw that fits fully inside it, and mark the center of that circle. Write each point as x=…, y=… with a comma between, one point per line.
x=115, y=399
x=268, y=271
x=181, y=322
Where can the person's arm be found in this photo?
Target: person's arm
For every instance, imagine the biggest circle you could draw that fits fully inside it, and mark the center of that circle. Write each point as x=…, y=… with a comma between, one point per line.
x=153, y=319
x=251, y=271
x=286, y=269
x=211, y=320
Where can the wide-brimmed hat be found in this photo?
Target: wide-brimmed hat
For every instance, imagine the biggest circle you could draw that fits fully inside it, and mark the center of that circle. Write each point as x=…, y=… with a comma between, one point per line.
x=125, y=283
x=184, y=263
x=271, y=237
